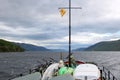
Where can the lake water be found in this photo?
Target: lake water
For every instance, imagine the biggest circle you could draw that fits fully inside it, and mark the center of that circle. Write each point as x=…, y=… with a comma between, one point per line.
x=20, y=62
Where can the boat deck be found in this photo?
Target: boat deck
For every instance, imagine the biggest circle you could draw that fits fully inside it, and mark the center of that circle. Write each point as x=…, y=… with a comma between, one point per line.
x=63, y=77
x=33, y=76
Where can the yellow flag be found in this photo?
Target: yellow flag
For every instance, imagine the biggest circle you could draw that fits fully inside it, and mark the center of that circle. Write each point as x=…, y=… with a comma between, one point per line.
x=62, y=12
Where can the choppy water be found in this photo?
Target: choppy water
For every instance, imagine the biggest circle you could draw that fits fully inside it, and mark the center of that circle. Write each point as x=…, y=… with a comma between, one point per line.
x=16, y=63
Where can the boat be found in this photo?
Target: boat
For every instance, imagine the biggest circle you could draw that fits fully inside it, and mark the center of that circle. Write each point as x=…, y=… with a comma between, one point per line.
x=79, y=71
x=82, y=71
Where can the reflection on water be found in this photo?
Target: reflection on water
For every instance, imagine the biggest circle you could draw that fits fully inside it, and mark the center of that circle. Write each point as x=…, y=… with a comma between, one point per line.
x=16, y=63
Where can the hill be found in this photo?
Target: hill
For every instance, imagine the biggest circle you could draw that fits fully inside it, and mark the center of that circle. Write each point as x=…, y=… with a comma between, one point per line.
x=6, y=46
x=30, y=47
x=105, y=46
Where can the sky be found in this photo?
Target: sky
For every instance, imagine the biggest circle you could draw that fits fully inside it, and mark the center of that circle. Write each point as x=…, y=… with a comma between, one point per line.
x=39, y=22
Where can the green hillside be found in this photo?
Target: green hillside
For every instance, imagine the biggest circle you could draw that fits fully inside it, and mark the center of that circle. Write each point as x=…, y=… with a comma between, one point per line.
x=6, y=46
x=105, y=46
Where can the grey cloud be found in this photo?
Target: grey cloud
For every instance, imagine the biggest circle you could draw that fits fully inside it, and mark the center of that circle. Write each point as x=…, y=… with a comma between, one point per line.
x=25, y=13
x=39, y=36
x=102, y=27
x=18, y=12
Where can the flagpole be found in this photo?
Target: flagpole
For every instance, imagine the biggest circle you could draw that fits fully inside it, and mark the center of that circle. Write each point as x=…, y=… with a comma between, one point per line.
x=69, y=33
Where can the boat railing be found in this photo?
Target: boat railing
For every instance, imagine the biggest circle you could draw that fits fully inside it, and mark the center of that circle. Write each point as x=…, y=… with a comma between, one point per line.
x=106, y=74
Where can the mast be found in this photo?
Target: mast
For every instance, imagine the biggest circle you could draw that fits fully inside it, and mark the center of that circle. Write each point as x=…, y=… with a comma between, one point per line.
x=69, y=33
x=62, y=13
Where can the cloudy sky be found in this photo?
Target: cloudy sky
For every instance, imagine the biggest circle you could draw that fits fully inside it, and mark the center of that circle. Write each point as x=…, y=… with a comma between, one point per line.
x=39, y=22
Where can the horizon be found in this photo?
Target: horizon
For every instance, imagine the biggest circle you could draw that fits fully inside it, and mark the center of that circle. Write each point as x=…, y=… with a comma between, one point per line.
x=39, y=22
x=63, y=49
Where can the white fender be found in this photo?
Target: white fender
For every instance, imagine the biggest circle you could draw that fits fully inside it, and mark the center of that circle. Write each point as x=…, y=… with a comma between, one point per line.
x=50, y=71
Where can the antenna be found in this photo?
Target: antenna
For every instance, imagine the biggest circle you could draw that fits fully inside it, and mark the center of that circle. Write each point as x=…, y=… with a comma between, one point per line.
x=69, y=8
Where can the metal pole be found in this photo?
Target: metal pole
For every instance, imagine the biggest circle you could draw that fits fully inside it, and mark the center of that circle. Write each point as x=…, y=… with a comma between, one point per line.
x=101, y=75
x=108, y=75
x=69, y=33
x=113, y=78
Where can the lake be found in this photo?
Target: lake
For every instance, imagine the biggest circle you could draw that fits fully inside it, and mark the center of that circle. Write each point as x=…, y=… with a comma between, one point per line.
x=20, y=62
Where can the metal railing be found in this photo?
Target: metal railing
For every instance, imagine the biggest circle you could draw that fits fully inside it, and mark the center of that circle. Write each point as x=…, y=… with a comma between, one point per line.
x=106, y=74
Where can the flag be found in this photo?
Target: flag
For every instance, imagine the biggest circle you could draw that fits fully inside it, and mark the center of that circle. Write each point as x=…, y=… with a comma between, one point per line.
x=62, y=12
